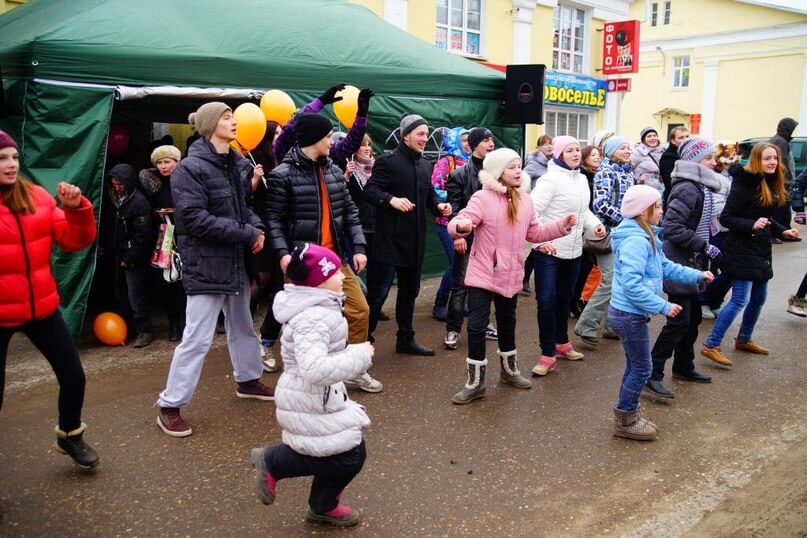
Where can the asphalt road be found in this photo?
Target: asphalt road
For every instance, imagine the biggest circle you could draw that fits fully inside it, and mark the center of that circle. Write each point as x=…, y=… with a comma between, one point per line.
x=730, y=459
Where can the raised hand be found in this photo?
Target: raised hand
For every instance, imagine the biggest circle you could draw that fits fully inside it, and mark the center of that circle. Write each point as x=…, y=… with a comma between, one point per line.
x=329, y=97
x=69, y=195
x=364, y=102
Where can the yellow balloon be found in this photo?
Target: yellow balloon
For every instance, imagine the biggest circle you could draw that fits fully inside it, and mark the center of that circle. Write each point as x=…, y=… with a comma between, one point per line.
x=250, y=125
x=277, y=106
x=347, y=108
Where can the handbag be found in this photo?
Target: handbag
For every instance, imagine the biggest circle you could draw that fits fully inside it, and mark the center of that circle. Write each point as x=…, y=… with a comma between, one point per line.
x=174, y=271
x=161, y=257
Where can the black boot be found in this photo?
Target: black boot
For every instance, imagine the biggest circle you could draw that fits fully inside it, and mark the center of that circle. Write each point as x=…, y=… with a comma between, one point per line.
x=72, y=444
x=475, y=387
x=413, y=348
x=174, y=334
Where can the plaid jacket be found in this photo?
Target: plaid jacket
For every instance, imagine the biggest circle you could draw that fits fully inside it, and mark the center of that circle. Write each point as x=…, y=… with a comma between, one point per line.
x=611, y=182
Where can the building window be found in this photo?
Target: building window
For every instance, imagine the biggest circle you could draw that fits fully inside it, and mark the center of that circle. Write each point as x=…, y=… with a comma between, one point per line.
x=569, y=39
x=564, y=122
x=459, y=26
x=667, y=10
x=680, y=71
x=654, y=14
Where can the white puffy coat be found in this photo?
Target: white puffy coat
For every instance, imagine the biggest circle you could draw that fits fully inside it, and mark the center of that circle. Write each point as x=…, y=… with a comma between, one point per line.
x=558, y=193
x=313, y=408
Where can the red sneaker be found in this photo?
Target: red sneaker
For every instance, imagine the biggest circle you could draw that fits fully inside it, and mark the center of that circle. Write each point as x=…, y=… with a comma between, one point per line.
x=171, y=422
x=254, y=389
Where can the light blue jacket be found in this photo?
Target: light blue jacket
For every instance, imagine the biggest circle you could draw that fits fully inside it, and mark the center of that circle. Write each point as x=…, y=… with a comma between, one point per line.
x=639, y=274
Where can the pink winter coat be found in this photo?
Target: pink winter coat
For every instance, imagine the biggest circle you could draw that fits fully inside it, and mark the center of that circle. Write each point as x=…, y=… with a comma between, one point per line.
x=496, y=261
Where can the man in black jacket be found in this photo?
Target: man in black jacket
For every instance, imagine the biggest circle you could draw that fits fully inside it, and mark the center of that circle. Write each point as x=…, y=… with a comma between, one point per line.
x=667, y=161
x=400, y=188
x=134, y=240
x=782, y=138
x=215, y=225
x=308, y=201
x=461, y=185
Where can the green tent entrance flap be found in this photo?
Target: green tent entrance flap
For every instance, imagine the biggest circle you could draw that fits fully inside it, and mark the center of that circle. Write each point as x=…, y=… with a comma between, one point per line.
x=62, y=133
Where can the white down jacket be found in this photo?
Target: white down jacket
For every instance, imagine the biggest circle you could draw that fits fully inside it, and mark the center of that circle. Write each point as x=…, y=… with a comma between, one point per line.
x=558, y=193
x=313, y=408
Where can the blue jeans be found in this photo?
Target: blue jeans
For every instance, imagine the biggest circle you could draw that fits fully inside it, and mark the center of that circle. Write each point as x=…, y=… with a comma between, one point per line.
x=635, y=337
x=555, y=279
x=441, y=300
x=745, y=294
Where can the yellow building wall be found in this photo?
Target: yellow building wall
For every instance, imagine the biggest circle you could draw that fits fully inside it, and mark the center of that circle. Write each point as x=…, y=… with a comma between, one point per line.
x=5, y=5
x=704, y=17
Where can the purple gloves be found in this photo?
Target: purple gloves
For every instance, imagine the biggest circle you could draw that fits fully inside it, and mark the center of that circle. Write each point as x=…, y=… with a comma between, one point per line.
x=713, y=252
x=800, y=217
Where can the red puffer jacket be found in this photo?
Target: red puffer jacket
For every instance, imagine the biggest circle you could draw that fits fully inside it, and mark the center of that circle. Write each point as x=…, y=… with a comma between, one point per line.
x=29, y=289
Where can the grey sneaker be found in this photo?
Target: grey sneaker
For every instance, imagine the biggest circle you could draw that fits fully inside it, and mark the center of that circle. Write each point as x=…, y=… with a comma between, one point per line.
x=365, y=382
x=452, y=340
x=268, y=357
x=706, y=312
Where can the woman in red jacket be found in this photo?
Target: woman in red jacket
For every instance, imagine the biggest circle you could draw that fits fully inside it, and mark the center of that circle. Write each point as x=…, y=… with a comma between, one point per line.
x=30, y=222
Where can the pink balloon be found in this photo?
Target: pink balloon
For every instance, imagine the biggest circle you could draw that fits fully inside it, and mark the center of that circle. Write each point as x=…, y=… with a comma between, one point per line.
x=118, y=141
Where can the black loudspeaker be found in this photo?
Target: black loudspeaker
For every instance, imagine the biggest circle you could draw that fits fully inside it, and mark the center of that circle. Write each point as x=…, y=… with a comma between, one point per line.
x=524, y=102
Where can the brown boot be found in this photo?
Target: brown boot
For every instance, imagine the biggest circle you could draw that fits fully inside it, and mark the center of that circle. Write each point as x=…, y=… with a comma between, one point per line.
x=627, y=424
x=716, y=354
x=750, y=347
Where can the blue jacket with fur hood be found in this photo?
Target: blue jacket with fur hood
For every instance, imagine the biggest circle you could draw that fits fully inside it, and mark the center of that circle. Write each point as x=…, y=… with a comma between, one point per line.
x=639, y=274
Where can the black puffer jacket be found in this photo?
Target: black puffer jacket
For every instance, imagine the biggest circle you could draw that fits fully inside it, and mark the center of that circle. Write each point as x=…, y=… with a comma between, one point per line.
x=366, y=209
x=747, y=254
x=461, y=184
x=665, y=166
x=214, y=219
x=134, y=233
x=400, y=238
x=782, y=138
x=293, y=210
x=685, y=205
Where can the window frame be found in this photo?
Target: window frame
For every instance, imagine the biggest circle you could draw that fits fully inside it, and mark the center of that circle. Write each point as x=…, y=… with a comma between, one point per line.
x=654, y=14
x=667, y=11
x=678, y=72
x=555, y=111
x=448, y=28
x=585, y=52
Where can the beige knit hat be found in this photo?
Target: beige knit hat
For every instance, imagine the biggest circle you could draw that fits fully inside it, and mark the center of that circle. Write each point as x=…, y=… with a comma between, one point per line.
x=206, y=118
x=165, y=152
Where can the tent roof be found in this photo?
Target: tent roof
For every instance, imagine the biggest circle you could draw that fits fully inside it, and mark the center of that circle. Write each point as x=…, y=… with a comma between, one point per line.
x=304, y=45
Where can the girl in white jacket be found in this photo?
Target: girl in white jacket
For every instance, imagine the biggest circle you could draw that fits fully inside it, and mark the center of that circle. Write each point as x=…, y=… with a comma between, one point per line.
x=322, y=426
x=561, y=191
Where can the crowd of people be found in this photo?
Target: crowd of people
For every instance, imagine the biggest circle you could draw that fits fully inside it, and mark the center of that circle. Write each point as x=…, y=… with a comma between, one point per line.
x=319, y=228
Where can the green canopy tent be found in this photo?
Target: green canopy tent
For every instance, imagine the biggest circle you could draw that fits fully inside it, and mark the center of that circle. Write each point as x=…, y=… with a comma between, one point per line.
x=64, y=61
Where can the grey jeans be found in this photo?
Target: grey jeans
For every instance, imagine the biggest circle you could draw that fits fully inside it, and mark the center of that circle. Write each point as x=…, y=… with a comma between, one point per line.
x=595, y=314
x=200, y=327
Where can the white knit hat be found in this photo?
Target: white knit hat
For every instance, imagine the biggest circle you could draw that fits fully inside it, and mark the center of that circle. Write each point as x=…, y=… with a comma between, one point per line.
x=497, y=160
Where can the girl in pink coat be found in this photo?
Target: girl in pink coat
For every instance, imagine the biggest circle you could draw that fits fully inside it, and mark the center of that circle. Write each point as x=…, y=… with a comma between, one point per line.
x=502, y=218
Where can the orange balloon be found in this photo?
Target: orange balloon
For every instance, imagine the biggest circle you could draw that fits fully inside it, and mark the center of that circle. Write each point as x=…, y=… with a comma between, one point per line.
x=277, y=106
x=250, y=126
x=348, y=107
x=110, y=329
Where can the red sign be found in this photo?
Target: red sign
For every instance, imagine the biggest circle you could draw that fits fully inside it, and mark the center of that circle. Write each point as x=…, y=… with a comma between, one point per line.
x=620, y=49
x=695, y=124
x=620, y=85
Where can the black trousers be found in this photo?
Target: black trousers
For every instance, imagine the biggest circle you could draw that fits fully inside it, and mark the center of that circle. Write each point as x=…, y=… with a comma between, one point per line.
x=479, y=316
x=678, y=337
x=459, y=293
x=331, y=474
x=52, y=338
x=408, y=290
x=130, y=290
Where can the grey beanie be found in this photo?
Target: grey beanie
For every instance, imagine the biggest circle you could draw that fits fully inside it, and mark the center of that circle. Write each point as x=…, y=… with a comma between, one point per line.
x=410, y=122
x=206, y=118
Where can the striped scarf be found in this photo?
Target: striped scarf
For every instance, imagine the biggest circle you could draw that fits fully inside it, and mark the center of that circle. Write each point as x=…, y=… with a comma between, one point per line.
x=704, y=229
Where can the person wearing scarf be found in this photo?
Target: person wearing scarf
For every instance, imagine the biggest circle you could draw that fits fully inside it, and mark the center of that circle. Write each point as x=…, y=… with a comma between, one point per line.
x=563, y=190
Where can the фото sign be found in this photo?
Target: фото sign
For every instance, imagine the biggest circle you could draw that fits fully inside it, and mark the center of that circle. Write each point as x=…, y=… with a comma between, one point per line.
x=569, y=89
x=620, y=48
